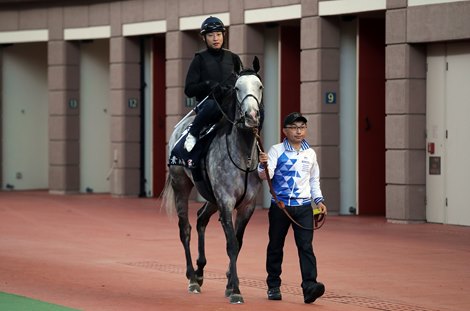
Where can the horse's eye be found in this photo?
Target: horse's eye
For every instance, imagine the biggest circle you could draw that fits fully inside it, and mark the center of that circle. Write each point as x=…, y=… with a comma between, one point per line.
x=236, y=89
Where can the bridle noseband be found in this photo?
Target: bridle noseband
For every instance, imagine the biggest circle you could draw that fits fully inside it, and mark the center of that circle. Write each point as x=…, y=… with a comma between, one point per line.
x=241, y=118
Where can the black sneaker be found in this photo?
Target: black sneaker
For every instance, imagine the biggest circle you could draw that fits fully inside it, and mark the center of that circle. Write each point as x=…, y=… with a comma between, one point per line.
x=274, y=293
x=313, y=292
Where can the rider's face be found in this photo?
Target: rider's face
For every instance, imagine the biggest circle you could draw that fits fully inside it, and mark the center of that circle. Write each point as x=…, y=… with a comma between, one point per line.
x=214, y=40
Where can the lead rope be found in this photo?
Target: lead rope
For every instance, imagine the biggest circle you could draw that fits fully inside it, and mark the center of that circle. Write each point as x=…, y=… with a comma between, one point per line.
x=318, y=219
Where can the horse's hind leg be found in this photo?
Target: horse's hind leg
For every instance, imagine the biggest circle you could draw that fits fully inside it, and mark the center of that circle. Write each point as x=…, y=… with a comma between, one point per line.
x=203, y=216
x=182, y=186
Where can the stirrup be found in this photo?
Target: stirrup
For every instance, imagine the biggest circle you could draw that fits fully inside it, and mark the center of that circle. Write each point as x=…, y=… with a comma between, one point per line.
x=189, y=142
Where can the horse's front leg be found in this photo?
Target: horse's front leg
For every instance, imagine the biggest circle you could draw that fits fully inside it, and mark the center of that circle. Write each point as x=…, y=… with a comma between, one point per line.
x=243, y=217
x=185, y=237
x=232, y=290
x=203, y=216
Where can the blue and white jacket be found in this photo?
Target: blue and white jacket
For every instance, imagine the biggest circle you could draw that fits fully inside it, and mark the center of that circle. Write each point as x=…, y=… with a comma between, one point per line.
x=295, y=174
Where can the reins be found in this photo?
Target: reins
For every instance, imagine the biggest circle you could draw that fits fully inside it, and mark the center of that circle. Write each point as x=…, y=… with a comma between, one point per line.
x=246, y=171
x=318, y=219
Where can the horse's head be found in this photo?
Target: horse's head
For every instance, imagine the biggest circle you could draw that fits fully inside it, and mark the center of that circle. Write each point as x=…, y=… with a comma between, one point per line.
x=249, y=93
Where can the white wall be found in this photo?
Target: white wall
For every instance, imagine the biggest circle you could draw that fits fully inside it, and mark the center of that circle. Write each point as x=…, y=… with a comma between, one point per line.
x=95, y=137
x=447, y=126
x=25, y=116
x=271, y=97
x=348, y=118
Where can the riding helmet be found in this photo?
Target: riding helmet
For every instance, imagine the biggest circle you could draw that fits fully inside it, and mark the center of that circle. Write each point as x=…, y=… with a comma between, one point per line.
x=212, y=24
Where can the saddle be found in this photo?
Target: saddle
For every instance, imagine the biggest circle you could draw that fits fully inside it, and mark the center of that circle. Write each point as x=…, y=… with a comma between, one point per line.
x=179, y=155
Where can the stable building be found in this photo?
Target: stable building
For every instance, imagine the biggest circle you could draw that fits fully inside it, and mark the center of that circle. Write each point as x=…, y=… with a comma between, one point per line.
x=91, y=90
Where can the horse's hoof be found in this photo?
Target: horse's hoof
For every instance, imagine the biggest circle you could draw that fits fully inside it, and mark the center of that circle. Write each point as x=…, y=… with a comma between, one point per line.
x=194, y=288
x=236, y=299
x=228, y=292
x=200, y=280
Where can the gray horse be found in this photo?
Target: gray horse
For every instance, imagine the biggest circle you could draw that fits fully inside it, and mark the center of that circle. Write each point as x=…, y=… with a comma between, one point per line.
x=230, y=180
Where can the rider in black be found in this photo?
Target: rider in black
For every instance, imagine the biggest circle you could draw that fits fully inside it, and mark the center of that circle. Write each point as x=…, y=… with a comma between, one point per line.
x=210, y=70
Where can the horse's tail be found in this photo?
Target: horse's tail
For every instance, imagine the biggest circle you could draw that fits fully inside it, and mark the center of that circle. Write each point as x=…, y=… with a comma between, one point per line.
x=168, y=197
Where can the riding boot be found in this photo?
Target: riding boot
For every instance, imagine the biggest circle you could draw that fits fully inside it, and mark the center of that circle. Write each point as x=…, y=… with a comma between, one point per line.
x=208, y=113
x=190, y=142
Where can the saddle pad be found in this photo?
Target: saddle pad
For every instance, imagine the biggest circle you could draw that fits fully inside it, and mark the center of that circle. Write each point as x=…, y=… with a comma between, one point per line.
x=179, y=155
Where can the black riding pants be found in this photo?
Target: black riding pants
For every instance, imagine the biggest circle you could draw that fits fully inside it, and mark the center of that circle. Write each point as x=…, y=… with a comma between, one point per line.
x=207, y=113
x=279, y=225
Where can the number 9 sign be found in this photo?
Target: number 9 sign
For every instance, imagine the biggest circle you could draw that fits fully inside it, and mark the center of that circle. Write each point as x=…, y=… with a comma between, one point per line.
x=330, y=98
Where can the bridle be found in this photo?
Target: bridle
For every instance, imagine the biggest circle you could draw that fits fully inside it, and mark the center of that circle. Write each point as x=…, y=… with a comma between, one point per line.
x=240, y=120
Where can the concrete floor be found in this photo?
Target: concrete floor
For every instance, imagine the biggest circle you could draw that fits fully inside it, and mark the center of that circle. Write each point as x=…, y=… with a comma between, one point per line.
x=95, y=252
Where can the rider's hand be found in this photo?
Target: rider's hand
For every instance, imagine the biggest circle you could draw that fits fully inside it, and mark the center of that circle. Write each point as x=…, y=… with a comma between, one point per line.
x=221, y=91
x=213, y=84
x=210, y=85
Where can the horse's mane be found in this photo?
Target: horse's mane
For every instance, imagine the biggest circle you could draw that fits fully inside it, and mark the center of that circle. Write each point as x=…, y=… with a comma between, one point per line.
x=229, y=107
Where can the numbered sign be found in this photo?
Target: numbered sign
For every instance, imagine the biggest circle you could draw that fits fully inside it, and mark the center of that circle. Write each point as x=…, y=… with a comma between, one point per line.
x=73, y=103
x=132, y=103
x=330, y=98
x=191, y=102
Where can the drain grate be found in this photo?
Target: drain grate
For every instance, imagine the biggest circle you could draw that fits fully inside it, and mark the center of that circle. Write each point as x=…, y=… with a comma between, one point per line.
x=375, y=304
x=365, y=302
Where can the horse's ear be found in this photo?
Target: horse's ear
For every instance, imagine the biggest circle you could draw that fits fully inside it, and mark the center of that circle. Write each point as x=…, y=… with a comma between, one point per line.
x=256, y=64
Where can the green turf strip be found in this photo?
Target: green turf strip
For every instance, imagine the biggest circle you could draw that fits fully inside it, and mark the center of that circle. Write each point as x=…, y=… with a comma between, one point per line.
x=11, y=302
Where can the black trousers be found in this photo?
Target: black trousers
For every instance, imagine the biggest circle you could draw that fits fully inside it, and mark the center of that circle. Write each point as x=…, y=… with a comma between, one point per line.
x=207, y=113
x=279, y=225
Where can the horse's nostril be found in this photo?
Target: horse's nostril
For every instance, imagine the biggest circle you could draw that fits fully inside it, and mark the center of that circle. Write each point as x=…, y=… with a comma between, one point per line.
x=252, y=115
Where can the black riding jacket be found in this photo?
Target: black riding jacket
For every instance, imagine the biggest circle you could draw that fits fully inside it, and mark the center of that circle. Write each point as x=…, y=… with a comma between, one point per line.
x=209, y=68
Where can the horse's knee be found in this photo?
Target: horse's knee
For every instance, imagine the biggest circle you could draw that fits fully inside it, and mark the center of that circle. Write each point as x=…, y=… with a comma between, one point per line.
x=201, y=263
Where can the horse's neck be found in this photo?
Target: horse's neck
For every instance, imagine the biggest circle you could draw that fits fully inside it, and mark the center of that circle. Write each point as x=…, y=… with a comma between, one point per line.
x=244, y=142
